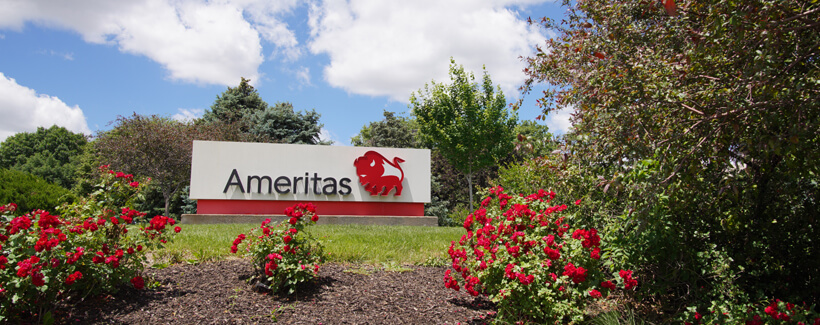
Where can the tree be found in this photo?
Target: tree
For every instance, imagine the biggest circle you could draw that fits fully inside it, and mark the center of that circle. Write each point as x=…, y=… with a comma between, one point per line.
x=467, y=122
x=391, y=132
x=48, y=153
x=242, y=108
x=155, y=147
x=533, y=140
x=704, y=102
x=234, y=104
x=281, y=124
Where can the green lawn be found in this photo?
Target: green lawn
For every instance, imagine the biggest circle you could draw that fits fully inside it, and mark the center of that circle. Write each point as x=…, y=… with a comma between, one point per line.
x=342, y=243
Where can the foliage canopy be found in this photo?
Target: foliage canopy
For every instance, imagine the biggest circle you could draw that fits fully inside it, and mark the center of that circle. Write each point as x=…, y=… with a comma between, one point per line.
x=391, y=132
x=701, y=120
x=30, y=192
x=242, y=108
x=48, y=153
x=155, y=147
x=467, y=122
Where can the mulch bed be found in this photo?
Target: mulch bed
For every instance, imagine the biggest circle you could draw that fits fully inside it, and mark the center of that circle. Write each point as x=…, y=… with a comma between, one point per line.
x=218, y=293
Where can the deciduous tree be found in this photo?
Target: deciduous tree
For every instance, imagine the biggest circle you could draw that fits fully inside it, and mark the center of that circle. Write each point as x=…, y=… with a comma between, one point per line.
x=466, y=121
x=701, y=118
x=156, y=147
x=48, y=153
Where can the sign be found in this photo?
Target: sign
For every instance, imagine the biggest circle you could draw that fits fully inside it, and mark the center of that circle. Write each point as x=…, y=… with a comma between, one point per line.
x=259, y=178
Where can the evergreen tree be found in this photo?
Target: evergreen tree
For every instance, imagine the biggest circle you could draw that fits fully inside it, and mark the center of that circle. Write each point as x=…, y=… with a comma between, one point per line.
x=234, y=104
x=243, y=109
x=391, y=132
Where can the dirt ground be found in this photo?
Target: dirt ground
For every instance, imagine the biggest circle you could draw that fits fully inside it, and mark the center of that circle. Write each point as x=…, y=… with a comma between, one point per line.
x=218, y=293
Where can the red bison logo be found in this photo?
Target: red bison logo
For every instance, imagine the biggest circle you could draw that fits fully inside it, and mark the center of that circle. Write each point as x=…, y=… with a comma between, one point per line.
x=377, y=174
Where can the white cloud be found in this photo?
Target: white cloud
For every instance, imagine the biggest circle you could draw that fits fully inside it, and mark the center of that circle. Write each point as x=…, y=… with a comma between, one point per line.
x=303, y=76
x=326, y=135
x=559, y=121
x=392, y=48
x=23, y=110
x=68, y=56
x=188, y=115
x=210, y=42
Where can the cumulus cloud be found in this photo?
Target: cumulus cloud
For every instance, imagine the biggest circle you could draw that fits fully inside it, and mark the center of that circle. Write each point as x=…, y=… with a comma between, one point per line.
x=24, y=110
x=326, y=135
x=209, y=42
x=559, y=121
x=391, y=48
x=188, y=115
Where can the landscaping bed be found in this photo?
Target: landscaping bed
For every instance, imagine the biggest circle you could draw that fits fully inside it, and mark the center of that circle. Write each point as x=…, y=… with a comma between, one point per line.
x=218, y=293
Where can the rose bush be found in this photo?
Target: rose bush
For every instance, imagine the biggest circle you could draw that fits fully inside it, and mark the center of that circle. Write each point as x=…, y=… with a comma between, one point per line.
x=283, y=255
x=773, y=312
x=523, y=254
x=95, y=245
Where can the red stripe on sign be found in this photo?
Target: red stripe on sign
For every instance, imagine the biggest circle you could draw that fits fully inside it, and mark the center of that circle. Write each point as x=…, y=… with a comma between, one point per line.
x=329, y=208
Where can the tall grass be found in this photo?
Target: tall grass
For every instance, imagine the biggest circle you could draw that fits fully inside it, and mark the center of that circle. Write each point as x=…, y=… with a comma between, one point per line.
x=342, y=243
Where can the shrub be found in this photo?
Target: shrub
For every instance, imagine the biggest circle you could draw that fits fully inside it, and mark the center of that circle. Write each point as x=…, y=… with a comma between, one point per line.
x=527, y=176
x=457, y=215
x=773, y=312
x=283, y=255
x=527, y=259
x=85, y=251
x=30, y=192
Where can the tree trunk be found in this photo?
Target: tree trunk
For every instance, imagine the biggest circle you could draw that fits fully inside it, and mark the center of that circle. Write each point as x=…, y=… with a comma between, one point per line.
x=167, y=197
x=470, y=184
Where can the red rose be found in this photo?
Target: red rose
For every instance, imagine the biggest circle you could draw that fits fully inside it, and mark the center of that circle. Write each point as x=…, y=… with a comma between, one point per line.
x=37, y=279
x=177, y=229
x=73, y=277
x=594, y=293
x=596, y=253
x=138, y=282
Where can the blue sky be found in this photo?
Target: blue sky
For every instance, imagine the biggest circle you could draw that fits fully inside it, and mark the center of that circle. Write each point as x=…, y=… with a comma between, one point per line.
x=82, y=64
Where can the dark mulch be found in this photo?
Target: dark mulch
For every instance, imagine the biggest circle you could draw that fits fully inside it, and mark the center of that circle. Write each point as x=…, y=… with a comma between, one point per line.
x=218, y=293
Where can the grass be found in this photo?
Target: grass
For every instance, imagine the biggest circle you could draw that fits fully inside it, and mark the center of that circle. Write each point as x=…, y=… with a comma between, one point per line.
x=342, y=243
